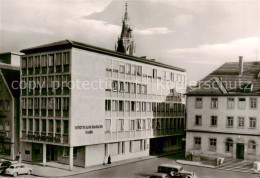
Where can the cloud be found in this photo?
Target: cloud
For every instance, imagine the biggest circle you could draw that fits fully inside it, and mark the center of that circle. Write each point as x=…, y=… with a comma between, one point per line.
x=218, y=53
x=154, y=31
x=183, y=19
x=44, y=16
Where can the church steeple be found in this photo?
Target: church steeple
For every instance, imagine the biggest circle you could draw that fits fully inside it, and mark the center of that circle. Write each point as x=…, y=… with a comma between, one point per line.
x=126, y=14
x=125, y=43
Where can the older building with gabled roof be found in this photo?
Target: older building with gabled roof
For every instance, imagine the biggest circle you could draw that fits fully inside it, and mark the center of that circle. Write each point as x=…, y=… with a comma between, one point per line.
x=223, y=113
x=9, y=105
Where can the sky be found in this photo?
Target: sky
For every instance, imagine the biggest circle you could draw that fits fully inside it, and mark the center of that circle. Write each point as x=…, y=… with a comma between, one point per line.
x=197, y=35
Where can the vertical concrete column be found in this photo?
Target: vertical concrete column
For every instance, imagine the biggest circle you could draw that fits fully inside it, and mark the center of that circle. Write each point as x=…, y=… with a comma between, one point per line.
x=71, y=159
x=245, y=151
x=234, y=150
x=86, y=157
x=44, y=154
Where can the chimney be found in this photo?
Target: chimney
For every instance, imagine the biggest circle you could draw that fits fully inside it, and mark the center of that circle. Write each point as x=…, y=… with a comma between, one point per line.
x=241, y=66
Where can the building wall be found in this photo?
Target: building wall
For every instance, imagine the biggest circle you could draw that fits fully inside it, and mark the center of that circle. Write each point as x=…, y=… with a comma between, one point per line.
x=94, y=154
x=10, y=58
x=87, y=105
x=222, y=112
x=15, y=60
x=222, y=131
x=79, y=160
x=86, y=111
x=26, y=151
x=7, y=148
x=221, y=145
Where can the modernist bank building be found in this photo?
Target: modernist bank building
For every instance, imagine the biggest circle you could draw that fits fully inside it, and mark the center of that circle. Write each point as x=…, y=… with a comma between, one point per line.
x=89, y=103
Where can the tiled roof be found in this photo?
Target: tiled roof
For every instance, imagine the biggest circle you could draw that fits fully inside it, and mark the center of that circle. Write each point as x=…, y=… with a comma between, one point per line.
x=67, y=44
x=228, y=74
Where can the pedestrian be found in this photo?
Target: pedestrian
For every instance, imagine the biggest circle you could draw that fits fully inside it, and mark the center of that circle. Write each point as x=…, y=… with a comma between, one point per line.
x=109, y=160
x=19, y=157
x=191, y=156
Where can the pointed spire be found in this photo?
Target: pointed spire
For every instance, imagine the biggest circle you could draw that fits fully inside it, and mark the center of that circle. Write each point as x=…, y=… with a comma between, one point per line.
x=125, y=43
x=126, y=14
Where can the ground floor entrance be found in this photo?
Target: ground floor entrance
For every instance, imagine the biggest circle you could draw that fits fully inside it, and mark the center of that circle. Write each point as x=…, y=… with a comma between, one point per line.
x=51, y=152
x=240, y=150
x=166, y=144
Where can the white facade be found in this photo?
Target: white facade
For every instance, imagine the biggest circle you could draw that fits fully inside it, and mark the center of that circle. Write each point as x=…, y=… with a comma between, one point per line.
x=233, y=123
x=109, y=110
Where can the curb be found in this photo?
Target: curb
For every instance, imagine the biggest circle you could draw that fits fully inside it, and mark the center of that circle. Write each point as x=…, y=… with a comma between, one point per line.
x=199, y=165
x=111, y=166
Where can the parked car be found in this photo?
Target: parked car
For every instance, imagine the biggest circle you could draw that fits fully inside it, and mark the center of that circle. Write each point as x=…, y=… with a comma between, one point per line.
x=175, y=171
x=159, y=175
x=4, y=165
x=16, y=169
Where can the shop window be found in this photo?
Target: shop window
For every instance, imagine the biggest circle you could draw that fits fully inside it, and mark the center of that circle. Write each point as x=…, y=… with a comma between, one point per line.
x=66, y=152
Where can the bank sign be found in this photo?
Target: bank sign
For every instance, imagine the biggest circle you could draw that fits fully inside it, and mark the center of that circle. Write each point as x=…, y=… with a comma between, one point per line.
x=88, y=129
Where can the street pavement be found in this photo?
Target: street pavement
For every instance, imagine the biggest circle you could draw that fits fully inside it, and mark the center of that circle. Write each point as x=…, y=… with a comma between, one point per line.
x=146, y=167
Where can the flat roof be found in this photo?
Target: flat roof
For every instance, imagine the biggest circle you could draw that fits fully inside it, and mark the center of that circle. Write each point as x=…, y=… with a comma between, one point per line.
x=67, y=44
x=11, y=52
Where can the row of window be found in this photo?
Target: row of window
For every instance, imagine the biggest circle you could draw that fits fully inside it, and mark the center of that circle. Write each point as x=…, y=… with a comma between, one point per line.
x=56, y=103
x=45, y=125
x=121, y=105
x=228, y=145
x=130, y=87
x=120, y=147
x=57, y=62
x=127, y=125
x=230, y=103
x=229, y=121
x=50, y=81
x=143, y=124
x=138, y=70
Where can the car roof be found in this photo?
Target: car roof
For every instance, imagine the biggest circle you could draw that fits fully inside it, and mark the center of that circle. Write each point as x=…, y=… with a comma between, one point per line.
x=17, y=164
x=158, y=174
x=186, y=172
x=171, y=166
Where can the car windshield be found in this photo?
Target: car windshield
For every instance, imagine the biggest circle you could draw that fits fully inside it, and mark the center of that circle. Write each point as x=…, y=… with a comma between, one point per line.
x=11, y=167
